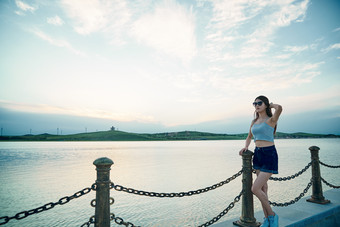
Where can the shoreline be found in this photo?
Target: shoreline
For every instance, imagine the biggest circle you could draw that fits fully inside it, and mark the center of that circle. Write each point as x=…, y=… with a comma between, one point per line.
x=167, y=136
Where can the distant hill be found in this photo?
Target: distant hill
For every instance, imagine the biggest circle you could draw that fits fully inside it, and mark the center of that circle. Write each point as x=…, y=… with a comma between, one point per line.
x=126, y=136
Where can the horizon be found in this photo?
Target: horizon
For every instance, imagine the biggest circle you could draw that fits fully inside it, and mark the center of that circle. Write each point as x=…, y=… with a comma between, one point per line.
x=167, y=65
x=35, y=124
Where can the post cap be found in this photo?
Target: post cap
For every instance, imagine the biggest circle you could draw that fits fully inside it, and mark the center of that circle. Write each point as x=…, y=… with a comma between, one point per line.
x=314, y=148
x=247, y=153
x=102, y=161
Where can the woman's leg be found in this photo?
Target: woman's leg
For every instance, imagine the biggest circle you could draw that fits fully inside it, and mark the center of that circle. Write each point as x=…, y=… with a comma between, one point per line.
x=260, y=189
x=265, y=190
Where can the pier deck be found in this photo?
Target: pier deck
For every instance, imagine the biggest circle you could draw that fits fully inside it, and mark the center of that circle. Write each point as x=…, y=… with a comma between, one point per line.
x=303, y=213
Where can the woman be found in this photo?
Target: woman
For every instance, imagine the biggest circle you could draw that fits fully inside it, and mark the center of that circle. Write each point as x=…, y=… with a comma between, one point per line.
x=265, y=160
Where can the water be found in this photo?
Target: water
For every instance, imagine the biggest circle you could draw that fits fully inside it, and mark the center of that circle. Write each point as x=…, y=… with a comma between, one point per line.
x=36, y=173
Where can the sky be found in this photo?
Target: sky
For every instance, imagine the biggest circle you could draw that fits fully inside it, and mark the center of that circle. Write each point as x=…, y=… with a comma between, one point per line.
x=164, y=65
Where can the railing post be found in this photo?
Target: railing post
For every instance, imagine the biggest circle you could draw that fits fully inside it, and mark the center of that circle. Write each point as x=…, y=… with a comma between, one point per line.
x=317, y=196
x=247, y=217
x=102, y=212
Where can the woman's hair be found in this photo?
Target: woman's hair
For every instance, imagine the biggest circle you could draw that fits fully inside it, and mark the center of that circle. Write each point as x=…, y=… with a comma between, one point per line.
x=268, y=109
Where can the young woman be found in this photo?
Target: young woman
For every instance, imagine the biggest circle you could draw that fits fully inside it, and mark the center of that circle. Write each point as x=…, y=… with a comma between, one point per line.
x=265, y=160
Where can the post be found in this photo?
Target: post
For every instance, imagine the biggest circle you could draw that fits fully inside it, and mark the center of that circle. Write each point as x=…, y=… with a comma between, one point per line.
x=247, y=217
x=102, y=212
x=317, y=196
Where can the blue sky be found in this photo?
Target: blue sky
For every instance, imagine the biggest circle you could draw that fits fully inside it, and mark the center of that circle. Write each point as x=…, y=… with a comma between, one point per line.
x=150, y=66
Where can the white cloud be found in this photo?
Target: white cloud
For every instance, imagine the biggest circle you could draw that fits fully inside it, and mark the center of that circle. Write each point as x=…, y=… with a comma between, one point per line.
x=56, y=42
x=296, y=49
x=109, y=17
x=264, y=75
x=289, y=13
x=231, y=14
x=93, y=113
x=170, y=29
x=336, y=30
x=20, y=13
x=262, y=19
x=24, y=6
x=332, y=47
x=56, y=20
x=307, y=102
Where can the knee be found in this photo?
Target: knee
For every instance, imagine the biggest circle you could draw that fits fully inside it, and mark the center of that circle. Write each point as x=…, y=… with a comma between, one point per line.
x=254, y=190
x=265, y=188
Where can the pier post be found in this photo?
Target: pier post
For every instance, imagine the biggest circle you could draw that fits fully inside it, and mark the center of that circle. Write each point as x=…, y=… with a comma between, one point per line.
x=247, y=216
x=317, y=196
x=102, y=210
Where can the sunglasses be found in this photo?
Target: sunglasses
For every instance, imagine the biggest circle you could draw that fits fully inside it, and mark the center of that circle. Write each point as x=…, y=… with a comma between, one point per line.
x=259, y=103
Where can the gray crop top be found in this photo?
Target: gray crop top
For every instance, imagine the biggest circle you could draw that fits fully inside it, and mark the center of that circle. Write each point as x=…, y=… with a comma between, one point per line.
x=263, y=131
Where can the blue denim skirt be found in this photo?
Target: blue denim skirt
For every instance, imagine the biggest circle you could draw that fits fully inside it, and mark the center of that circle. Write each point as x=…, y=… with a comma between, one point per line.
x=266, y=159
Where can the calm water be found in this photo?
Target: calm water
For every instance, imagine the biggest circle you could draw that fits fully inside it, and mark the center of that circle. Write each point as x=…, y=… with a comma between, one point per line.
x=36, y=173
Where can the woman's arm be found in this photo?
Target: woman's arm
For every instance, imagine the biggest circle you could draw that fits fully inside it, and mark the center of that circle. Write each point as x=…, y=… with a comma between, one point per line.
x=277, y=113
x=248, y=140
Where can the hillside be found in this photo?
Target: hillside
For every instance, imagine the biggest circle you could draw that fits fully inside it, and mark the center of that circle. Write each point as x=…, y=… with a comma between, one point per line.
x=126, y=136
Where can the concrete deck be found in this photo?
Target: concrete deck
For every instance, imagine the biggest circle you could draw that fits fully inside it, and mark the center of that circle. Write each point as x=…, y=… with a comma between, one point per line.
x=303, y=213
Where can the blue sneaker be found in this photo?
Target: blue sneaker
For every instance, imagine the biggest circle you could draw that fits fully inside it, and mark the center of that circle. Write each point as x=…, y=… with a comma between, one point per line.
x=273, y=221
x=265, y=222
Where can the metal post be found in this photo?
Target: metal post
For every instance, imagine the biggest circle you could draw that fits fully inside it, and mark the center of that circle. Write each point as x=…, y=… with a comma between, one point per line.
x=247, y=217
x=317, y=196
x=102, y=212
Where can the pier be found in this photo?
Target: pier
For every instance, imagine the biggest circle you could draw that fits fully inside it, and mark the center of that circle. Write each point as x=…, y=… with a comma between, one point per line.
x=303, y=213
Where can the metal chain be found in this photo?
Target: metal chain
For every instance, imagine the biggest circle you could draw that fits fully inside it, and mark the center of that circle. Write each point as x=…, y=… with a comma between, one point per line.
x=172, y=195
x=90, y=221
x=292, y=176
x=330, y=166
x=330, y=185
x=224, y=212
x=120, y=221
x=295, y=200
x=48, y=206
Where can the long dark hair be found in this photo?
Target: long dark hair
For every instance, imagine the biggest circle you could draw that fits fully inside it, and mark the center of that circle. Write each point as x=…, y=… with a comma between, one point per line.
x=268, y=109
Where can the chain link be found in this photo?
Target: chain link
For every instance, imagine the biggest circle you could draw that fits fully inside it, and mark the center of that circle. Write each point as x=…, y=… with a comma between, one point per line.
x=330, y=166
x=120, y=221
x=48, y=206
x=296, y=199
x=89, y=222
x=292, y=176
x=224, y=212
x=330, y=185
x=172, y=195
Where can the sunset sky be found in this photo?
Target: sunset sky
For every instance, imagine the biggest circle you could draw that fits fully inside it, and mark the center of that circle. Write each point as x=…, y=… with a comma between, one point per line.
x=166, y=65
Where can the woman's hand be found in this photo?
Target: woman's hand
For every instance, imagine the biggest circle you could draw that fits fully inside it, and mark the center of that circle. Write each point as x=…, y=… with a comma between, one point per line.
x=243, y=150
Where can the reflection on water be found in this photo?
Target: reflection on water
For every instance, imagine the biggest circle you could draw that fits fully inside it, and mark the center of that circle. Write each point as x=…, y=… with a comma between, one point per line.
x=36, y=173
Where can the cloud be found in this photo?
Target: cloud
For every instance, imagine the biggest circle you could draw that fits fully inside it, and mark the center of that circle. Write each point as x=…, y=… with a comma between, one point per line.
x=332, y=47
x=24, y=6
x=56, y=20
x=303, y=103
x=169, y=29
x=241, y=43
x=267, y=76
x=296, y=49
x=82, y=112
x=336, y=30
x=56, y=42
x=263, y=18
x=106, y=16
x=289, y=13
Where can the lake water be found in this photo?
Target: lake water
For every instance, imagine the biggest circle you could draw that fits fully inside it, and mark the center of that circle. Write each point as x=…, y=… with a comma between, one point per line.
x=36, y=173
